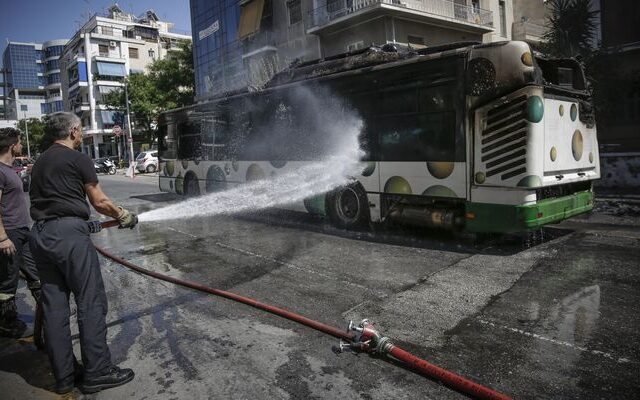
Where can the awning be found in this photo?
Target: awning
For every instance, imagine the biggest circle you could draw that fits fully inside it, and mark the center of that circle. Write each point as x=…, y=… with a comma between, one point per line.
x=111, y=69
x=250, y=16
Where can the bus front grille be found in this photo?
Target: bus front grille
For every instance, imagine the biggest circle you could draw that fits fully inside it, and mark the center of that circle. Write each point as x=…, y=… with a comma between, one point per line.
x=504, y=139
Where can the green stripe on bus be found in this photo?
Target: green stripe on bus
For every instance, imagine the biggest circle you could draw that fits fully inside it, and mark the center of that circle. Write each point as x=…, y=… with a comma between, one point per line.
x=507, y=218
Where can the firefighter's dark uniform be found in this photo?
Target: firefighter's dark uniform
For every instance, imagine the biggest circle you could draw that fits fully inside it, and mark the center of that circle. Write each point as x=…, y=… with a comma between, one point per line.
x=67, y=261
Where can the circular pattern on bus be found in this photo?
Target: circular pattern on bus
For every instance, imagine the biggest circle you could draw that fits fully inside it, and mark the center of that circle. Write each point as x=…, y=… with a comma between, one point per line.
x=315, y=204
x=216, y=180
x=227, y=169
x=530, y=181
x=170, y=168
x=235, y=165
x=369, y=169
x=439, y=191
x=591, y=157
x=185, y=164
x=480, y=177
x=481, y=76
x=440, y=169
x=255, y=173
x=573, y=112
x=535, y=109
x=278, y=163
x=577, y=145
x=561, y=110
x=397, y=184
x=553, y=154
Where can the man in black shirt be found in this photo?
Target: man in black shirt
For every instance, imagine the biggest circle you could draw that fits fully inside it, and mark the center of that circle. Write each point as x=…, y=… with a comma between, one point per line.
x=14, y=237
x=61, y=180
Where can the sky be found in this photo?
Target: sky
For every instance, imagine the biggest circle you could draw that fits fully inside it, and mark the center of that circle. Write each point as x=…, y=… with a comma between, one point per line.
x=42, y=20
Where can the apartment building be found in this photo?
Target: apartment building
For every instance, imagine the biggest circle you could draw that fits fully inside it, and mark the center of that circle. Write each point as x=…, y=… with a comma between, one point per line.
x=96, y=60
x=31, y=82
x=240, y=43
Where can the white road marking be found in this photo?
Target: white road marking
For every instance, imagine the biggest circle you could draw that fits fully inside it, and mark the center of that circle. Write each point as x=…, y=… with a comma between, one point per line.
x=604, y=354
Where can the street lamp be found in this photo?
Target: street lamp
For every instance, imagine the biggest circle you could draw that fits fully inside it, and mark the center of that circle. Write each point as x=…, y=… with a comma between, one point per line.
x=24, y=107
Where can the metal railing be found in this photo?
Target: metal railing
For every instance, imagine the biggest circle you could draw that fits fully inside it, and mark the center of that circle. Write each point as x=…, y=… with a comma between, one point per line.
x=334, y=9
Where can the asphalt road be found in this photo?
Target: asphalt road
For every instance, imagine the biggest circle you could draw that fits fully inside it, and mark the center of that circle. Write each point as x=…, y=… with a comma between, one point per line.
x=556, y=320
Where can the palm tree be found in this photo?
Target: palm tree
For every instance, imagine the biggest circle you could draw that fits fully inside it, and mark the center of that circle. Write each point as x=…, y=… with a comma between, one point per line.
x=571, y=28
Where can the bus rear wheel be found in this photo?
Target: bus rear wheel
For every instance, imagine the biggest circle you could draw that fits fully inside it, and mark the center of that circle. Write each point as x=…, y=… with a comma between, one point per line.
x=348, y=207
x=191, y=185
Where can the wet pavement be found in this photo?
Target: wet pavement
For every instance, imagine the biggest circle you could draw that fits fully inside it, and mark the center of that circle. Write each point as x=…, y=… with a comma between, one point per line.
x=556, y=320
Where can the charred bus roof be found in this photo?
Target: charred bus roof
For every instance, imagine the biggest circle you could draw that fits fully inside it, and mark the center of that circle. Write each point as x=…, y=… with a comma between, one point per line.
x=363, y=58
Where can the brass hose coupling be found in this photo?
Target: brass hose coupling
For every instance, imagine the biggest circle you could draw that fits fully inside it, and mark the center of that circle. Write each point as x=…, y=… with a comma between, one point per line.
x=366, y=339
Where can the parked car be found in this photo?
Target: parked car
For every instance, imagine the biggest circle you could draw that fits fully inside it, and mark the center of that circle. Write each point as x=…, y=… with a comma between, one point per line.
x=147, y=161
x=22, y=166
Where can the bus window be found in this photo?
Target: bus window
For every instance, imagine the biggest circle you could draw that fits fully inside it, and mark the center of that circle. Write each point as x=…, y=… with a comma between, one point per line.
x=190, y=140
x=421, y=137
x=167, y=141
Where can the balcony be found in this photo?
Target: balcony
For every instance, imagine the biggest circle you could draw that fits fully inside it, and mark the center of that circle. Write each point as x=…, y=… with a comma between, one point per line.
x=528, y=32
x=338, y=14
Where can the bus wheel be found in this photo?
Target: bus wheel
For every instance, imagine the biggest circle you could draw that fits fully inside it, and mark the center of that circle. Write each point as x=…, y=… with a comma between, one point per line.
x=191, y=185
x=348, y=206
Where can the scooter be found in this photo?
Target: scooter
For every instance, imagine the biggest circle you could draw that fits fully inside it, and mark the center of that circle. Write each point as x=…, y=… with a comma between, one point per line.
x=104, y=165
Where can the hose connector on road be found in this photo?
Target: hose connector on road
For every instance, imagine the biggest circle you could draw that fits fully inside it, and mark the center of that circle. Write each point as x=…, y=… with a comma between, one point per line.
x=366, y=339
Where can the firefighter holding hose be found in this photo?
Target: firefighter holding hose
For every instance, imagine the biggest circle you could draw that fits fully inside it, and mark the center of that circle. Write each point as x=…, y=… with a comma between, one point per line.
x=62, y=179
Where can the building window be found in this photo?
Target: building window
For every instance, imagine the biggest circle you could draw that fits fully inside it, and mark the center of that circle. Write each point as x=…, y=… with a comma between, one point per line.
x=503, y=20
x=295, y=11
x=152, y=54
x=107, y=30
x=417, y=42
x=133, y=52
x=103, y=50
x=355, y=46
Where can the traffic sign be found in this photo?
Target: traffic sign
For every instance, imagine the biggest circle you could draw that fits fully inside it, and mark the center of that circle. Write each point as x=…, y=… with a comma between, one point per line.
x=117, y=130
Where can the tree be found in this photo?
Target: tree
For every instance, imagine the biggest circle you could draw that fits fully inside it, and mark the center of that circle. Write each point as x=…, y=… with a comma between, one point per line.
x=36, y=135
x=169, y=84
x=571, y=27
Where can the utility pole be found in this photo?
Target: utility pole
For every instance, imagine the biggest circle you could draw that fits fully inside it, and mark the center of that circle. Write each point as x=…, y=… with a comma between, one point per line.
x=129, y=135
x=26, y=129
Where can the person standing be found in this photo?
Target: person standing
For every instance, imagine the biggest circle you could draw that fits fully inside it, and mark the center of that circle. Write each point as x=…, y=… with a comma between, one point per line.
x=61, y=180
x=15, y=255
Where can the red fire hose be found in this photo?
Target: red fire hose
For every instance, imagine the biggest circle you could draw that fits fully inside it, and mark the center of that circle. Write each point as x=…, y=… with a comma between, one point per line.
x=360, y=338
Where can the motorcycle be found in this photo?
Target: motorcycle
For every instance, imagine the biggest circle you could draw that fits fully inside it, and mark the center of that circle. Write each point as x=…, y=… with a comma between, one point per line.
x=104, y=165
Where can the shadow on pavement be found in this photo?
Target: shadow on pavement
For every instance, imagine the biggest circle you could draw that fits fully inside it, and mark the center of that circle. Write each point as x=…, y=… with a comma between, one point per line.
x=22, y=358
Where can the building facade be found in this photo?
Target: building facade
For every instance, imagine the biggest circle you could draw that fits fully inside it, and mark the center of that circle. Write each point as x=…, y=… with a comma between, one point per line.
x=619, y=127
x=31, y=82
x=95, y=62
x=243, y=43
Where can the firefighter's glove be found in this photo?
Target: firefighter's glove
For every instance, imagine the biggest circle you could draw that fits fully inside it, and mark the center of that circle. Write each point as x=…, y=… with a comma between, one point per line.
x=126, y=219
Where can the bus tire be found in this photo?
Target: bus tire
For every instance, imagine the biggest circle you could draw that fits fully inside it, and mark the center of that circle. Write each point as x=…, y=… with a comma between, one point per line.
x=348, y=207
x=191, y=185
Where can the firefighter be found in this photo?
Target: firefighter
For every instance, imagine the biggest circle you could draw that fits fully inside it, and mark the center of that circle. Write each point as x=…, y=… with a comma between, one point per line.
x=15, y=255
x=62, y=179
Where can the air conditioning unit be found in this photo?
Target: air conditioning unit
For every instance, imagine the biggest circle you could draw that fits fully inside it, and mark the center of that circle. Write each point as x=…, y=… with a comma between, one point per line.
x=113, y=44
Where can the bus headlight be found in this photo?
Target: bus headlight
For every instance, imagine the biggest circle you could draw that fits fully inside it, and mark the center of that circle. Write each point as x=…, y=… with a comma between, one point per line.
x=535, y=109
